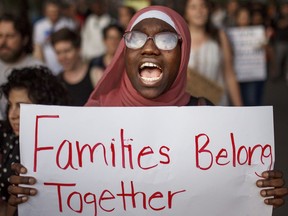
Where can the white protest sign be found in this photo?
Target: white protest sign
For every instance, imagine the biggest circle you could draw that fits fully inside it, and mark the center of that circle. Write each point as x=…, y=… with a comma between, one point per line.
x=146, y=160
x=249, y=53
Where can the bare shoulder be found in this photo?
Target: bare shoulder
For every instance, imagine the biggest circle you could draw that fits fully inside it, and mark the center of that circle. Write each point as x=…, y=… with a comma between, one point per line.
x=95, y=74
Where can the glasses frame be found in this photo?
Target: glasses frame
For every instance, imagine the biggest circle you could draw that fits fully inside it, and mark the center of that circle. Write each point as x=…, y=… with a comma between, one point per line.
x=151, y=37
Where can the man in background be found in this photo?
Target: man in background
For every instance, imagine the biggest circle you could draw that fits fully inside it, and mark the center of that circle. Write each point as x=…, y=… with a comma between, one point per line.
x=15, y=47
x=43, y=28
x=92, y=36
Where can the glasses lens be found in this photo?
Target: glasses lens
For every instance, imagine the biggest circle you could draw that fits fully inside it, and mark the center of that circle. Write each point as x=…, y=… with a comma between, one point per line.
x=134, y=39
x=166, y=40
x=163, y=40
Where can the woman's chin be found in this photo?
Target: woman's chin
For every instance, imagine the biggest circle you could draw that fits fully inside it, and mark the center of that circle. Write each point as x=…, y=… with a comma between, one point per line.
x=16, y=132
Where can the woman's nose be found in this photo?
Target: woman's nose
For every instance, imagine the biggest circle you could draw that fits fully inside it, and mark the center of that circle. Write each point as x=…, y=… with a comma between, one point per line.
x=150, y=47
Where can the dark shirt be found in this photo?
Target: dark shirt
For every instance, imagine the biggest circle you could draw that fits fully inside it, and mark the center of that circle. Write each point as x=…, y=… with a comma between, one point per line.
x=78, y=93
x=9, y=151
x=281, y=33
x=98, y=62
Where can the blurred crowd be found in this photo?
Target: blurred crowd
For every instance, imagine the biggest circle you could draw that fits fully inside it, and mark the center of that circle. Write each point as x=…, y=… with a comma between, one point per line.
x=76, y=40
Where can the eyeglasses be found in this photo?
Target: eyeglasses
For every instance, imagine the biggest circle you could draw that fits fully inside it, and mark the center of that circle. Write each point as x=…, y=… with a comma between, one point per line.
x=162, y=40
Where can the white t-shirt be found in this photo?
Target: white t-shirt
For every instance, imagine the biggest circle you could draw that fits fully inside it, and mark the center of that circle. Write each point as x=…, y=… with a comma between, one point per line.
x=42, y=32
x=5, y=71
x=92, y=37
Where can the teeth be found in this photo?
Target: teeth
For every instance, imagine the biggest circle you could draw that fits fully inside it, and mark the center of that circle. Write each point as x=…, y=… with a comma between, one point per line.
x=150, y=79
x=149, y=64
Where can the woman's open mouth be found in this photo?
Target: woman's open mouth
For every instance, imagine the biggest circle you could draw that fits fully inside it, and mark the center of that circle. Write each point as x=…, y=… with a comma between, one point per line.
x=150, y=73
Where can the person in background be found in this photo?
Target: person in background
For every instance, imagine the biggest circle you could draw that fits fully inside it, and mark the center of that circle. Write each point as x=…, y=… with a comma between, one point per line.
x=125, y=13
x=92, y=37
x=270, y=23
x=281, y=44
x=231, y=10
x=112, y=35
x=271, y=14
x=78, y=77
x=211, y=52
x=43, y=29
x=259, y=18
x=29, y=85
x=218, y=14
x=149, y=68
x=15, y=48
x=15, y=44
x=82, y=8
x=251, y=91
x=70, y=11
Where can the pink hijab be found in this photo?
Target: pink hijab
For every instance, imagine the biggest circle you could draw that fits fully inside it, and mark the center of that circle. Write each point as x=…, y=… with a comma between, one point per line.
x=115, y=88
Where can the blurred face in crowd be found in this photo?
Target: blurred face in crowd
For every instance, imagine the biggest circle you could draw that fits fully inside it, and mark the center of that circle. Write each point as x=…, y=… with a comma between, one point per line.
x=11, y=43
x=52, y=12
x=112, y=40
x=243, y=17
x=70, y=10
x=16, y=97
x=257, y=18
x=271, y=10
x=196, y=12
x=151, y=70
x=284, y=10
x=67, y=54
x=124, y=16
x=232, y=6
x=98, y=7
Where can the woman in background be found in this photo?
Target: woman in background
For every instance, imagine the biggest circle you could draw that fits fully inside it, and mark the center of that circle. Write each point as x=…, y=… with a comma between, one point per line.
x=252, y=91
x=112, y=35
x=125, y=13
x=78, y=76
x=211, y=52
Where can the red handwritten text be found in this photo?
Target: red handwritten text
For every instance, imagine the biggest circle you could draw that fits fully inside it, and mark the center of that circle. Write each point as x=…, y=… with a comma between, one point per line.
x=237, y=157
x=76, y=201
x=71, y=154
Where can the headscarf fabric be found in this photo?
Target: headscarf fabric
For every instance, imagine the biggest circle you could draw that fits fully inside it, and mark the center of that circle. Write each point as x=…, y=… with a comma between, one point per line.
x=115, y=88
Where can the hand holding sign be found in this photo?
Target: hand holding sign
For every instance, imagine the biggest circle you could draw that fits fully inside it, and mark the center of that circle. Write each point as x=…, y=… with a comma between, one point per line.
x=272, y=179
x=275, y=180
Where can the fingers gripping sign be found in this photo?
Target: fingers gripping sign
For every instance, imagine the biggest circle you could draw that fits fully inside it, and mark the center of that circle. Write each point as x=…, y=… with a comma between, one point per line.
x=274, y=193
x=20, y=194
